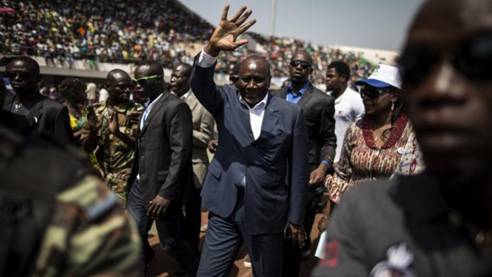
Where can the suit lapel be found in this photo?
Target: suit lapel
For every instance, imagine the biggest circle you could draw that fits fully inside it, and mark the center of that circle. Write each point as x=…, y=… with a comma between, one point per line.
x=283, y=93
x=245, y=121
x=192, y=101
x=270, y=119
x=307, y=95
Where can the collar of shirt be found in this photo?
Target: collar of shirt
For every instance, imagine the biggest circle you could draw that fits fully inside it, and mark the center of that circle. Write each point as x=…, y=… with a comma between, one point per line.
x=185, y=96
x=259, y=106
x=342, y=96
x=300, y=92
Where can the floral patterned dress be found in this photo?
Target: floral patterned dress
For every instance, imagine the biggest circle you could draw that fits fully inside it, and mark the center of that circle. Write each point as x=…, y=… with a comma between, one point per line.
x=362, y=160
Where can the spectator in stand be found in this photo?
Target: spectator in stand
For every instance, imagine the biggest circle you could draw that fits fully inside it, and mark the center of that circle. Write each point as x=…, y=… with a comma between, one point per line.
x=121, y=32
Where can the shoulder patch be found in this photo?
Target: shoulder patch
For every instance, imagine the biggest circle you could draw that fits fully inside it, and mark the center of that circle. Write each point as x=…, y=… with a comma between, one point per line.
x=91, y=196
x=399, y=259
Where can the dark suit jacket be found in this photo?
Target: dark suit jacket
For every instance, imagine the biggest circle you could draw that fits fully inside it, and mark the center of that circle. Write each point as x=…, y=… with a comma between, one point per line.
x=48, y=116
x=318, y=109
x=163, y=154
x=15, y=122
x=270, y=199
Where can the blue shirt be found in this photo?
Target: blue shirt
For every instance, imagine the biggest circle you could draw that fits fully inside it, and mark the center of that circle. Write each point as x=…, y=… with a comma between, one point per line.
x=294, y=96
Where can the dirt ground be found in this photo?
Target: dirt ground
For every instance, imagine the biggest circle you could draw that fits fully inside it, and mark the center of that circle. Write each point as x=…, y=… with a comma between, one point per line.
x=164, y=265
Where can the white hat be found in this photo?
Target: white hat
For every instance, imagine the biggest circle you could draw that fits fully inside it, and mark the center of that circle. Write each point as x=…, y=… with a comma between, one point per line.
x=382, y=77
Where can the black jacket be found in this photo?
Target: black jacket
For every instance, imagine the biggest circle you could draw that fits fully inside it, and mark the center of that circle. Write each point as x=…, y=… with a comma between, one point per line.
x=47, y=116
x=163, y=154
x=319, y=110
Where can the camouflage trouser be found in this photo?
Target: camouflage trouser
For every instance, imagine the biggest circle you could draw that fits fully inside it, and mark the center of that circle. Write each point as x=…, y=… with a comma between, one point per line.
x=118, y=184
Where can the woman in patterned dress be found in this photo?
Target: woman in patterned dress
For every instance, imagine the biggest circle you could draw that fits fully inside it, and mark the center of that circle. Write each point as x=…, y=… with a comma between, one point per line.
x=379, y=144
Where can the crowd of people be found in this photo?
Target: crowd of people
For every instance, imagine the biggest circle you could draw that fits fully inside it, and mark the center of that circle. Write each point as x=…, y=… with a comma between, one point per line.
x=130, y=32
x=84, y=180
x=101, y=31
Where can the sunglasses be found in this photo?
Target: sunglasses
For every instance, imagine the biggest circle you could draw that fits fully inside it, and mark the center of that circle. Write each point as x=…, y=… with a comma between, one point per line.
x=471, y=57
x=372, y=92
x=303, y=64
x=12, y=75
x=142, y=81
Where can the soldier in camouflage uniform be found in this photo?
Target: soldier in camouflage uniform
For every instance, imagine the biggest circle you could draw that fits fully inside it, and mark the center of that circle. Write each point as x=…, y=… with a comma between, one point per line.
x=57, y=218
x=113, y=127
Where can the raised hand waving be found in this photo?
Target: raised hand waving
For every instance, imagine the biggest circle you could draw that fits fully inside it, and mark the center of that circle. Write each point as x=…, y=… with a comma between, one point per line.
x=224, y=37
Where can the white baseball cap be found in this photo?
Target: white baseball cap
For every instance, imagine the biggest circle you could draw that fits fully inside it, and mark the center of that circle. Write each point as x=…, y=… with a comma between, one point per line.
x=382, y=77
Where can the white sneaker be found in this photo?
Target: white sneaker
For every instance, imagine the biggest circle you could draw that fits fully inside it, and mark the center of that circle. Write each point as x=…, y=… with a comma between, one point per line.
x=247, y=262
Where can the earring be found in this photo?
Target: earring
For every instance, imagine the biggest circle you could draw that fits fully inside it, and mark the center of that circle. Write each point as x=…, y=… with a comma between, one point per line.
x=392, y=106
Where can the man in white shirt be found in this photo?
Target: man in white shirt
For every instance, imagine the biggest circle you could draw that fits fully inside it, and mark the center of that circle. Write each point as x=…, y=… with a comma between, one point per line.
x=348, y=103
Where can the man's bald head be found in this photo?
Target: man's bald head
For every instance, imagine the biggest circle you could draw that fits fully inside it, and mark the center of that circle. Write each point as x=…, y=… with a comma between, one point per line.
x=147, y=70
x=257, y=63
x=27, y=62
x=302, y=54
x=116, y=75
x=24, y=75
x=119, y=85
x=301, y=66
x=180, y=79
x=149, y=80
x=185, y=68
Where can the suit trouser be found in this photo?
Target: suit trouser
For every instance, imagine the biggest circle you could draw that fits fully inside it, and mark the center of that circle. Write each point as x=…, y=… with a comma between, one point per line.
x=292, y=254
x=169, y=228
x=192, y=219
x=223, y=241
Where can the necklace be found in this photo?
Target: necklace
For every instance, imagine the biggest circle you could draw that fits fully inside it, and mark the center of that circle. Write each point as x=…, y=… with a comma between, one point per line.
x=395, y=132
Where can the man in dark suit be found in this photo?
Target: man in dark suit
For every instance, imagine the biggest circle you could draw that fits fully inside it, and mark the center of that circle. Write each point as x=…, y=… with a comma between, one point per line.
x=162, y=172
x=44, y=114
x=256, y=183
x=318, y=109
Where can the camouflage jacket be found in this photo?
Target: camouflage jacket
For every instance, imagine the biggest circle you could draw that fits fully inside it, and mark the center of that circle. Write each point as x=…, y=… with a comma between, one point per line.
x=111, y=156
x=89, y=234
x=57, y=218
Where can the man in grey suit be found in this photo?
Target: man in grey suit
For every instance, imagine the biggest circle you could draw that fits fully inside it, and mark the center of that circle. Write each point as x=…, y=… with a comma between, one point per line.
x=203, y=128
x=162, y=175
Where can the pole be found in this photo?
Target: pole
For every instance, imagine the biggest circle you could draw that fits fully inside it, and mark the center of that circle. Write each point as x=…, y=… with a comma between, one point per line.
x=274, y=15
